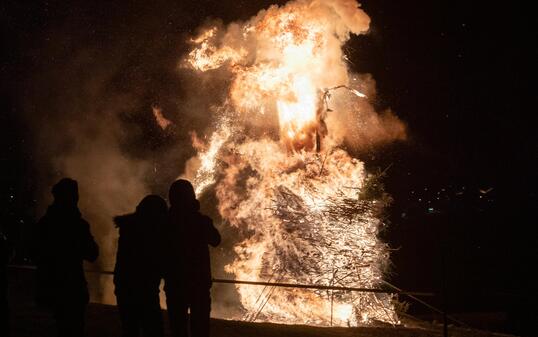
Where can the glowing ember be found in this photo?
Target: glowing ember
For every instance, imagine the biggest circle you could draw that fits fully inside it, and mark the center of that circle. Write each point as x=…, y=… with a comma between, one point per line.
x=300, y=202
x=159, y=117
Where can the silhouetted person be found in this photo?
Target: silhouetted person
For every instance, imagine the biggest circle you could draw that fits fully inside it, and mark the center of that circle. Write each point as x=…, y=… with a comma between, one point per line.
x=63, y=242
x=188, y=272
x=138, y=270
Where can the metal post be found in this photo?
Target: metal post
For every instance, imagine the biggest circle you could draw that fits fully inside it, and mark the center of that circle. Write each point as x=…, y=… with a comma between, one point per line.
x=332, y=298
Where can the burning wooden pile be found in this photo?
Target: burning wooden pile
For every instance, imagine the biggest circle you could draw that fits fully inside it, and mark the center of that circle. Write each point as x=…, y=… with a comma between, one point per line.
x=277, y=164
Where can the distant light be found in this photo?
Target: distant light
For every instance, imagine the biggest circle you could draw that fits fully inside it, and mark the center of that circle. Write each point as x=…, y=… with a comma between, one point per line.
x=431, y=209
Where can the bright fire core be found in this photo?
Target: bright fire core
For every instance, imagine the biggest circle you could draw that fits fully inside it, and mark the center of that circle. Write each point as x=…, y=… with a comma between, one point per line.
x=299, y=201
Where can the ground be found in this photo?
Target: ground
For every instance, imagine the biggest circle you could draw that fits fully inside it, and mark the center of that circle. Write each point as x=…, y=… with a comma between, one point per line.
x=103, y=321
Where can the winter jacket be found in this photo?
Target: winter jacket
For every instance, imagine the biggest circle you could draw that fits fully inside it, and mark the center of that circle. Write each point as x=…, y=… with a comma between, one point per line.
x=64, y=240
x=188, y=235
x=139, y=257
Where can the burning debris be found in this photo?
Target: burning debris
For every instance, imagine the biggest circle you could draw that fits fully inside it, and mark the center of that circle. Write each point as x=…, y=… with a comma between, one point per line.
x=309, y=224
x=162, y=121
x=299, y=199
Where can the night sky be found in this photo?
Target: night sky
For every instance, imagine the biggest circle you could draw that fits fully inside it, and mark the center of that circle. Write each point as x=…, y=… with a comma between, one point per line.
x=458, y=75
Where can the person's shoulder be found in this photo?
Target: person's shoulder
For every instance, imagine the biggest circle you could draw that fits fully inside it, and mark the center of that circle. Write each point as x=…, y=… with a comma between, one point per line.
x=45, y=218
x=49, y=214
x=124, y=220
x=45, y=221
x=206, y=220
x=127, y=224
x=84, y=224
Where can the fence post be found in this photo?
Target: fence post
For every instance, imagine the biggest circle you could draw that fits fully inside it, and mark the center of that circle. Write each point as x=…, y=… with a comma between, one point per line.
x=332, y=298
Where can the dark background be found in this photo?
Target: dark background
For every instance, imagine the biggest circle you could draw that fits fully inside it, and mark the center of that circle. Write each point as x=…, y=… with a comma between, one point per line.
x=457, y=73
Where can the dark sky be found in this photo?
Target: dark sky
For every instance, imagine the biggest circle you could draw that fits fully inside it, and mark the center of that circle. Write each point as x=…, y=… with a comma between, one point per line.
x=458, y=74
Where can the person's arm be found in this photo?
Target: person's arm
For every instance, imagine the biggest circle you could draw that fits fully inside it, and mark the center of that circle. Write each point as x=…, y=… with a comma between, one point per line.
x=90, y=249
x=213, y=235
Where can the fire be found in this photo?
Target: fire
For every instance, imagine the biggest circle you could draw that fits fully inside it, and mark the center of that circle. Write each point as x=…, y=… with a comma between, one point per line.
x=298, y=199
x=297, y=114
x=297, y=54
x=207, y=57
x=205, y=174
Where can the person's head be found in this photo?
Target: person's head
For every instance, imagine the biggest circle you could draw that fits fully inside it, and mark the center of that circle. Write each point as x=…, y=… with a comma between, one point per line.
x=181, y=195
x=152, y=207
x=65, y=192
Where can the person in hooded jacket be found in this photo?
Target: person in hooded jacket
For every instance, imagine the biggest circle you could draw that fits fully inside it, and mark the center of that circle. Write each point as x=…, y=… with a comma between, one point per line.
x=63, y=242
x=138, y=269
x=188, y=270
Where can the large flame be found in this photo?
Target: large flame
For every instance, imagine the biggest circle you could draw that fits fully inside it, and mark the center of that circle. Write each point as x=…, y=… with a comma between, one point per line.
x=284, y=59
x=298, y=199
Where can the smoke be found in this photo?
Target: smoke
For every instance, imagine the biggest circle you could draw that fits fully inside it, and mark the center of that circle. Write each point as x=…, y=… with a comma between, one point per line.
x=356, y=123
x=88, y=108
x=78, y=133
x=353, y=19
